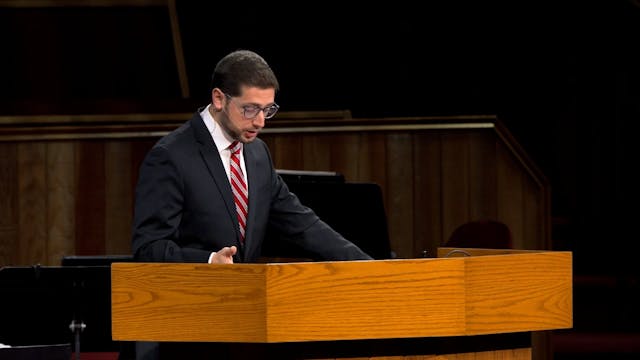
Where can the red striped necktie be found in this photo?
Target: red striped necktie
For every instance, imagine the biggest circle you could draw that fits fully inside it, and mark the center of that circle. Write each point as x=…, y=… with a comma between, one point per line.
x=239, y=187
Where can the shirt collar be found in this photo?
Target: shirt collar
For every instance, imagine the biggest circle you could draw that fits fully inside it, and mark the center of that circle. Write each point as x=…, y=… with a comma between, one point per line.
x=220, y=138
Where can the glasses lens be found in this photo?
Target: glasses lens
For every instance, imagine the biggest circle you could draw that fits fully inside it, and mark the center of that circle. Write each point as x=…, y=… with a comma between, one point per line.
x=270, y=111
x=251, y=111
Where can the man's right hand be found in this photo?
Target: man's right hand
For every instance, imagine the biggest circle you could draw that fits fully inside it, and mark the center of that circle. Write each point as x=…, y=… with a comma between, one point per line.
x=224, y=256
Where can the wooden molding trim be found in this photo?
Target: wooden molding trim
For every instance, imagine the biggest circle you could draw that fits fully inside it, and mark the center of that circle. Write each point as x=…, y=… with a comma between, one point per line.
x=71, y=127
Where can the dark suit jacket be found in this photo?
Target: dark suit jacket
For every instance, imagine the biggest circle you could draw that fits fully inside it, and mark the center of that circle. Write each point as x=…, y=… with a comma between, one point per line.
x=184, y=206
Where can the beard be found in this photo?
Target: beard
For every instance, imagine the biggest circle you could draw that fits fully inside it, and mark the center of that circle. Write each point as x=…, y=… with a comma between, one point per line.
x=231, y=129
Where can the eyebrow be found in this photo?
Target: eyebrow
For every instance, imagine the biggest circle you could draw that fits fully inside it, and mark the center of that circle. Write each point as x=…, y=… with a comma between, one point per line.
x=258, y=105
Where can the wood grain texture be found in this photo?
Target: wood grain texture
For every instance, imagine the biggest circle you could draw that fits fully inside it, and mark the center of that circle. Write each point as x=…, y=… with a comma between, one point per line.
x=90, y=198
x=400, y=193
x=510, y=197
x=510, y=354
x=188, y=302
x=61, y=194
x=427, y=192
x=456, y=181
x=287, y=302
x=287, y=152
x=372, y=160
x=327, y=301
x=316, y=151
x=9, y=208
x=118, y=197
x=364, y=300
x=483, y=185
x=519, y=292
x=345, y=154
x=32, y=204
x=533, y=216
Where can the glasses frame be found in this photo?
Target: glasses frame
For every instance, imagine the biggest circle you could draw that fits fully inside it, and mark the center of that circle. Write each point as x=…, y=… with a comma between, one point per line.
x=256, y=108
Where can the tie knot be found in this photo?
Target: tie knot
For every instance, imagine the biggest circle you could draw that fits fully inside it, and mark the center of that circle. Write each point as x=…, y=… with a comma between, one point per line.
x=235, y=147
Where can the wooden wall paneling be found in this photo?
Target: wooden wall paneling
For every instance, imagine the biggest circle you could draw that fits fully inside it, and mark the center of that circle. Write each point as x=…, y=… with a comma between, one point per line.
x=118, y=197
x=8, y=203
x=60, y=169
x=90, y=198
x=139, y=149
x=316, y=152
x=533, y=223
x=455, y=181
x=344, y=154
x=432, y=178
x=400, y=194
x=371, y=155
x=510, y=198
x=482, y=176
x=427, y=192
x=535, y=210
x=270, y=140
x=32, y=204
x=287, y=152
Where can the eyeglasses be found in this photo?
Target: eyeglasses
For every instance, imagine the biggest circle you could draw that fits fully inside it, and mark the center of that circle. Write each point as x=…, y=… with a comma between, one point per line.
x=251, y=111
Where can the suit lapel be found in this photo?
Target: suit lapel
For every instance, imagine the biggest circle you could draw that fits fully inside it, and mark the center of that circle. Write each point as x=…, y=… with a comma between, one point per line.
x=209, y=154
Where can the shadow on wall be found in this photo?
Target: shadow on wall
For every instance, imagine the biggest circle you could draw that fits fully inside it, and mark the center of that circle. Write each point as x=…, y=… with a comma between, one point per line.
x=486, y=234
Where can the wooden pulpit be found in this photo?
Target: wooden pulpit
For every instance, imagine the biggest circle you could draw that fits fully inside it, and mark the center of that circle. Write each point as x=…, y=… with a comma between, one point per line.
x=402, y=307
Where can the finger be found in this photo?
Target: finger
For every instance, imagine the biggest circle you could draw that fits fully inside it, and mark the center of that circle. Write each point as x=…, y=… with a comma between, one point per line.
x=228, y=251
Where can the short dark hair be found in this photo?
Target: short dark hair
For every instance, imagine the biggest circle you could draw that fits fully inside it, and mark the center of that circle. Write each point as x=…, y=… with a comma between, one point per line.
x=242, y=68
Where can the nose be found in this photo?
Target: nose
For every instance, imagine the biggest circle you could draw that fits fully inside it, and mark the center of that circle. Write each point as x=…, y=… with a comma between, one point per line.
x=258, y=121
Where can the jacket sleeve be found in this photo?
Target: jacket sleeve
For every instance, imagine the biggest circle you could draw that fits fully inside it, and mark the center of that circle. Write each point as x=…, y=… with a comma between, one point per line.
x=297, y=225
x=158, y=212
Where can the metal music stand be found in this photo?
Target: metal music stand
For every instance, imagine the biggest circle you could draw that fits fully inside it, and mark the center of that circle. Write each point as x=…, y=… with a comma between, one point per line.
x=57, y=305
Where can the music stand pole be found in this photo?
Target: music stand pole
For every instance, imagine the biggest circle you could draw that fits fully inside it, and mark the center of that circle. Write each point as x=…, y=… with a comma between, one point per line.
x=77, y=328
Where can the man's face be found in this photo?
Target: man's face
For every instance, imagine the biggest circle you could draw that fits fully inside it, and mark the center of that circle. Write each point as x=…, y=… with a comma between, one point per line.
x=243, y=116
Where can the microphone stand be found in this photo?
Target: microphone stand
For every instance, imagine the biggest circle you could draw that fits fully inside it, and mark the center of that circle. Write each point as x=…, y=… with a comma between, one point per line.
x=77, y=325
x=76, y=328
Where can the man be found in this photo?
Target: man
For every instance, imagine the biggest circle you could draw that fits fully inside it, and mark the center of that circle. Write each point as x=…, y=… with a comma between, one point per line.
x=208, y=191
x=185, y=208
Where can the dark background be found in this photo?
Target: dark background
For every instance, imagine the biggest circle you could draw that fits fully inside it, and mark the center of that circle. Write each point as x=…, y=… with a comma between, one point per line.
x=563, y=76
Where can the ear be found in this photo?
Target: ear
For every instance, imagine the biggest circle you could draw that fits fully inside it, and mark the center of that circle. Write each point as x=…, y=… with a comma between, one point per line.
x=217, y=99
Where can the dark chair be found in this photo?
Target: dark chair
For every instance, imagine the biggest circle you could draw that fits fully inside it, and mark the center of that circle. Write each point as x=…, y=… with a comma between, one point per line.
x=485, y=234
x=355, y=210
